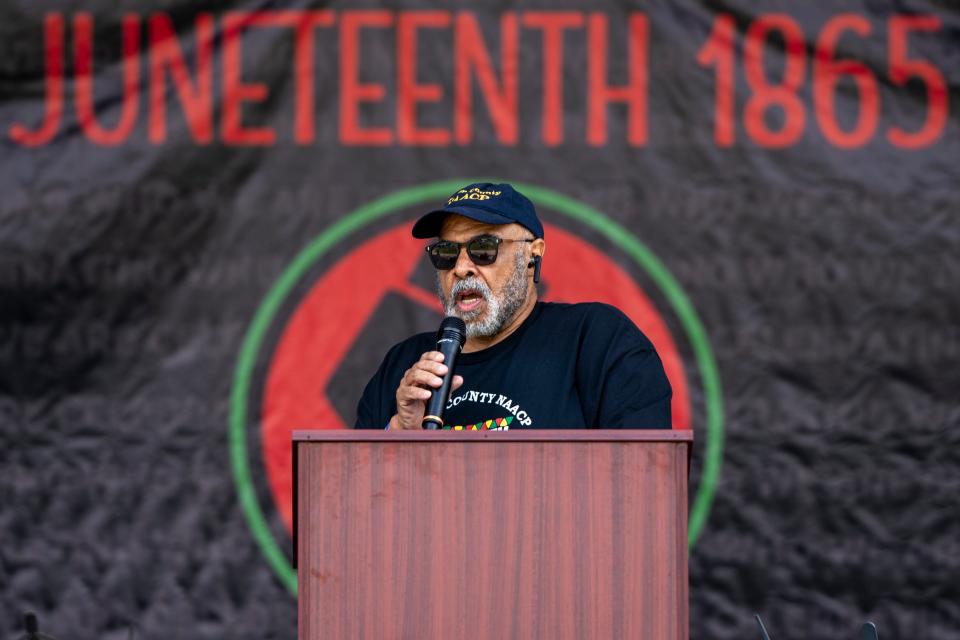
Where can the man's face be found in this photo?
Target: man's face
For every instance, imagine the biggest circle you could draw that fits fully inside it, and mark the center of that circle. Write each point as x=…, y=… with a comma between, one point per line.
x=485, y=297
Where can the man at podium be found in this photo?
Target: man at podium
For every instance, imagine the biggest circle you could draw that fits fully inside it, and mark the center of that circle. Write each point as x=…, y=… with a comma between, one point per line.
x=525, y=363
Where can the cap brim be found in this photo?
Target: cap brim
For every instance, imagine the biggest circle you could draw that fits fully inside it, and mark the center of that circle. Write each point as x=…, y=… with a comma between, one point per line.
x=429, y=225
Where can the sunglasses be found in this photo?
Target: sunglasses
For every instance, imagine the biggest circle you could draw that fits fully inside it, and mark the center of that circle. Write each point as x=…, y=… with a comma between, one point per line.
x=481, y=250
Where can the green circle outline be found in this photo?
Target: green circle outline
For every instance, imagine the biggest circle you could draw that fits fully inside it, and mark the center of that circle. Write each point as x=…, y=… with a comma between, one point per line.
x=364, y=215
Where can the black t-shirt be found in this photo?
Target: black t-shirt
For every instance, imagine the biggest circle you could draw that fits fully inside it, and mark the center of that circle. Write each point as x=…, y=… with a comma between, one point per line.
x=566, y=366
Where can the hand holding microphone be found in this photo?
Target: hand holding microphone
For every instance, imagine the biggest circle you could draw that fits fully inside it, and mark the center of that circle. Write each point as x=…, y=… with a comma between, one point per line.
x=430, y=380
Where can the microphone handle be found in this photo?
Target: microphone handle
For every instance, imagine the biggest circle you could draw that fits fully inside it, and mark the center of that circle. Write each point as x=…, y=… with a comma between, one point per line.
x=433, y=417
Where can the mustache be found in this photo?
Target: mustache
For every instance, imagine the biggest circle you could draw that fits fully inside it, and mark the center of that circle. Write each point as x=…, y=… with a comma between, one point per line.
x=473, y=284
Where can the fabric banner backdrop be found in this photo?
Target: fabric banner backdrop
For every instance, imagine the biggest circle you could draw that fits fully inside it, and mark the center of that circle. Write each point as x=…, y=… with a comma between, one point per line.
x=204, y=244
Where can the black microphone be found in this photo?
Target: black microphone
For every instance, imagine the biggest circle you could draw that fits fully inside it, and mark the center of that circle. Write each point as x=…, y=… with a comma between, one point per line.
x=450, y=339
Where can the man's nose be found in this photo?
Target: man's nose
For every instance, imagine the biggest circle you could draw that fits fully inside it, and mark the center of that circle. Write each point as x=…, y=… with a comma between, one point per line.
x=464, y=267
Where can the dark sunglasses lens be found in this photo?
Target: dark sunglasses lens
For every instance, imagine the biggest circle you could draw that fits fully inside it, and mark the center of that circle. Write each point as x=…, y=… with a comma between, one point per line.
x=483, y=251
x=443, y=255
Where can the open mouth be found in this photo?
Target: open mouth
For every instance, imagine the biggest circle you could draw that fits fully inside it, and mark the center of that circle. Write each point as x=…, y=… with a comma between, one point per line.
x=469, y=300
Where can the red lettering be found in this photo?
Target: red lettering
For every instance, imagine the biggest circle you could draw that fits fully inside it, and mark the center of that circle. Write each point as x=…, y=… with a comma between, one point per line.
x=53, y=101
x=553, y=23
x=235, y=93
x=409, y=92
x=903, y=68
x=634, y=93
x=304, y=109
x=766, y=94
x=471, y=57
x=166, y=56
x=83, y=71
x=720, y=51
x=352, y=91
x=827, y=72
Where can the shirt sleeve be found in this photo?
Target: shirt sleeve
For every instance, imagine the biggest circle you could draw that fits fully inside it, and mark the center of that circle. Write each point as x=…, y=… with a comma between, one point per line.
x=369, y=415
x=621, y=376
x=379, y=400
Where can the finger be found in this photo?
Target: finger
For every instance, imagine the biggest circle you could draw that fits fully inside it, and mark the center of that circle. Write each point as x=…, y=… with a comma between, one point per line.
x=433, y=367
x=432, y=355
x=420, y=377
x=457, y=383
x=408, y=395
x=414, y=374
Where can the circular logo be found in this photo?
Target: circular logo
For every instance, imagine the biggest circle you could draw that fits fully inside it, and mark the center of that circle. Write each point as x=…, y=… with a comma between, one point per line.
x=327, y=322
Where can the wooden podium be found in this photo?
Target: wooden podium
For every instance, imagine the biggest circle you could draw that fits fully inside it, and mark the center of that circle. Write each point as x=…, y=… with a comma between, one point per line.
x=479, y=535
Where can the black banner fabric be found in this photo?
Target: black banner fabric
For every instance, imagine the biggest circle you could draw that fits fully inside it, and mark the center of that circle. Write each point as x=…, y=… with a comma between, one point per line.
x=205, y=243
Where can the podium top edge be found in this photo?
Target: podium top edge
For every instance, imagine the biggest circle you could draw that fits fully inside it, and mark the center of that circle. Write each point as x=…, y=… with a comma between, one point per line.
x=525, y=435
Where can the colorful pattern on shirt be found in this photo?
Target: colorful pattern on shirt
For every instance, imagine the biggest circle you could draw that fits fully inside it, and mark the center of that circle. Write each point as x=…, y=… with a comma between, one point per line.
x=495, y=424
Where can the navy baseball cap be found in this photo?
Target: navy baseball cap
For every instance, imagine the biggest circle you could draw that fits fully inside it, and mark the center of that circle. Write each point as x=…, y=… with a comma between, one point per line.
x=485, y=202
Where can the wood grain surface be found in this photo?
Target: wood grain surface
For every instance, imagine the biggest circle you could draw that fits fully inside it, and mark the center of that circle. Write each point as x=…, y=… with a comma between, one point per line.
x=503, y=537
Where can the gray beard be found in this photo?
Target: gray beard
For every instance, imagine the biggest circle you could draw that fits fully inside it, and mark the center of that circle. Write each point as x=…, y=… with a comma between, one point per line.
x=497, y=310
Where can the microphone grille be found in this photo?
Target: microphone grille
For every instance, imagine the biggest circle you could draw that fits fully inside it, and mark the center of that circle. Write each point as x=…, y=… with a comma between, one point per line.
x=453, y=327
x=453, y=322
